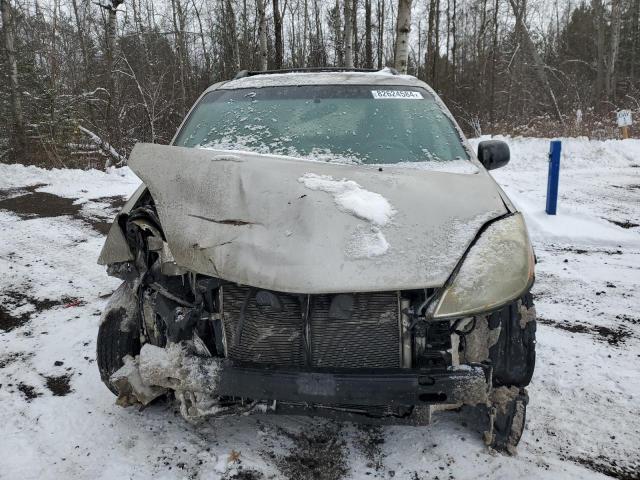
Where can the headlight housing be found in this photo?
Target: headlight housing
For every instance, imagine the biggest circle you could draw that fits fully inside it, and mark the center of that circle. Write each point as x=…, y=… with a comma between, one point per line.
x=497, y=269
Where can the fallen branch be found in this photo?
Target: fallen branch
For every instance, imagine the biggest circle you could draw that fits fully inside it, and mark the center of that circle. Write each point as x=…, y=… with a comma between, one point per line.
x=105, y=147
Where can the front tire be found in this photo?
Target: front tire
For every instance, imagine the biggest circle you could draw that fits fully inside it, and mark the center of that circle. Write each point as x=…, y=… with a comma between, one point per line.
x=507, y=417
x=119, y=333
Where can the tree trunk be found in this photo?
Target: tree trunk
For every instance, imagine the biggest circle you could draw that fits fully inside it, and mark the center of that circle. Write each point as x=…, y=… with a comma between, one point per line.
x=262, y=34
x=305, y=34
x=454, y=49
x=232, y=37
x=110, y=55
x=634, y=39
x=494, y=52
x=205, y=51
x=16, y=101
x=292, y=36
x=403, y=27
x=380, y=13
x=176, y=11
x=111, y=47
x=436, y=49
x=448, y=43
x=338, y=36
x=83, y=45
x=53, y=75
x=368, y=46
x=348, y=35
x=430, y=53
x=277, y=26
x=598, y=20
x=616, y=14
x=112, y=9
x=354, y=34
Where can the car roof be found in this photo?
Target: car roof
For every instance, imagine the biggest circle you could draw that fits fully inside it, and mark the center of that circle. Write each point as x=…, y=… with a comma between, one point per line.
x=382, y=77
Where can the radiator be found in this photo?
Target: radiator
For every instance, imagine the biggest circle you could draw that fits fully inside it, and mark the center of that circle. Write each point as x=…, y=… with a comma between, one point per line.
x=352, y=331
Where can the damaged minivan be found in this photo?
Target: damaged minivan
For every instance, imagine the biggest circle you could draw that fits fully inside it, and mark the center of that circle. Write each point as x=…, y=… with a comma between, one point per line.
x=324, y=243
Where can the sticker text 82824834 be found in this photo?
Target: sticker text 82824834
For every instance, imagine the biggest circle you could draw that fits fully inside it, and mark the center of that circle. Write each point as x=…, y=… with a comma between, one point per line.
x=396, y=94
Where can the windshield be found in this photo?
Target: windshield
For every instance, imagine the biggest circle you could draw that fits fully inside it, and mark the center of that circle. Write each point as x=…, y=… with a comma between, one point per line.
x=337, y=123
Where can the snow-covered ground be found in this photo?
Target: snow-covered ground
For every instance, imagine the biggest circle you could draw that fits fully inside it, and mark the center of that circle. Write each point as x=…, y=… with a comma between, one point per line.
x=59, y=421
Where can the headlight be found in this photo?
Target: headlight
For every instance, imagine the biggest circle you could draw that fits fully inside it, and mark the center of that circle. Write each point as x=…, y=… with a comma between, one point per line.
x=497, y=269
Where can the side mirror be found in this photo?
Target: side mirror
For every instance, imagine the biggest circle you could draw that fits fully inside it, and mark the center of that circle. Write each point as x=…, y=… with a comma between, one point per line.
x=493, y=154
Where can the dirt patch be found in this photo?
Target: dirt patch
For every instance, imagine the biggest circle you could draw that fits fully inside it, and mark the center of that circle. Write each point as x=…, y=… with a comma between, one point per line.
x=581, y=251
x=370, y=444
x=14, y=299
x=14, y=357
x=245, y=475
x=626, y=224
x=28, y=391
x=103, y=224
x=115, y=202
x=628, y=318
x=613, y=336
x=633, y=186
x=27, y=203
x=8, y=321
x=40, y=204
x=320, y=456
x=17, y=191
x=59, y=386
x=99, y=225
x=608, y=467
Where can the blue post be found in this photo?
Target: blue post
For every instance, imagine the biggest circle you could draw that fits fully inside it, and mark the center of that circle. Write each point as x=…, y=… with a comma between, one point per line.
x=554, y=175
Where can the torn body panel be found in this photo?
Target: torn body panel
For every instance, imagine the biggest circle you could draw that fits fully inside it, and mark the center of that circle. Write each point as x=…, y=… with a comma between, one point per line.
x=116, y=249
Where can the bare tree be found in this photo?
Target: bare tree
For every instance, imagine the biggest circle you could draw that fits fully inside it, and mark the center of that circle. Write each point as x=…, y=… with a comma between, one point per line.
x=277, y=26
x=83, y=44
x=111, y=7
x=635, y=27
x=380, y=46
x=616, y=14
x=403, y=27
x=430, y=54
x=539, y=67
x=368, y=44
x=16, y=102
x=494, y=63
x=262, y=34
x=599, y=27
x=348, y=35
x=179, y=27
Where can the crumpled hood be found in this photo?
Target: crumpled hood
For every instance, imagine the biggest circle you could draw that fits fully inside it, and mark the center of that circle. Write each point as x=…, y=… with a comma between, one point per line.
x=301, y=226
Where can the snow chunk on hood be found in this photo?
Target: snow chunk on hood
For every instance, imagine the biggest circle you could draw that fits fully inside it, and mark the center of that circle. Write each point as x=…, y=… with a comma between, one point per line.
x=352, y=198
x=372, y=207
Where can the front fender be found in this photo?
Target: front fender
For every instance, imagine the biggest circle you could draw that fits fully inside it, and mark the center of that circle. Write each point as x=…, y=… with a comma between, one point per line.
x=116, y=249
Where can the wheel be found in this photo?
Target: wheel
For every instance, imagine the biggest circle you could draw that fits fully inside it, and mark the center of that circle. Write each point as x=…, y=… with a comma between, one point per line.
x=513, y=356
x=119, y=333
x=507, y=416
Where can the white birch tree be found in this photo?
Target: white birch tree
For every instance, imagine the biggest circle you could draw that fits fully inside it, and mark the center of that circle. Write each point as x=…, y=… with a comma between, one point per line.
x=403, y=28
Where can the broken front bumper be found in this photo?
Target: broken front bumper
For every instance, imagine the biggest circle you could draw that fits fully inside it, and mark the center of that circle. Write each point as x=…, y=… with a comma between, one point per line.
x=388, y=387
x=178, y=370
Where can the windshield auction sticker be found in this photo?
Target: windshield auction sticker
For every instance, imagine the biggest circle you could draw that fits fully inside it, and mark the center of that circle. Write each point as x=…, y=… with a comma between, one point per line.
x=402, y=94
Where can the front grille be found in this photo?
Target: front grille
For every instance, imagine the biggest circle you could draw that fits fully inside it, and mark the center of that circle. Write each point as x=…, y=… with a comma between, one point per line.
x=364, y=333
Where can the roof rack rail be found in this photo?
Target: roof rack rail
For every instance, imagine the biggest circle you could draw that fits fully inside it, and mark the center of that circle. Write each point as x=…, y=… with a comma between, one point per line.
x=250, y=73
